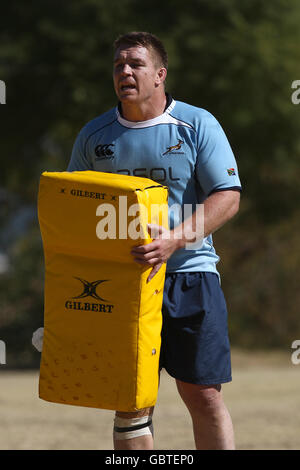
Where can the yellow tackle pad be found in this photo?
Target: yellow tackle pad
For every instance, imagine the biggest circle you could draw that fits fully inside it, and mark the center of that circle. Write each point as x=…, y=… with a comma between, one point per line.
x=102, y=320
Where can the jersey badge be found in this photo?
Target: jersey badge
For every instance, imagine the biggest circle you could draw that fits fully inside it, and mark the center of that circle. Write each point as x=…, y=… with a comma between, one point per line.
x=174, y=148
x=104, y=152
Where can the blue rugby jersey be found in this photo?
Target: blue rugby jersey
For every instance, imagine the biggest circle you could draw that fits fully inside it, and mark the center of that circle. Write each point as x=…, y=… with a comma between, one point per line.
x=185, y=148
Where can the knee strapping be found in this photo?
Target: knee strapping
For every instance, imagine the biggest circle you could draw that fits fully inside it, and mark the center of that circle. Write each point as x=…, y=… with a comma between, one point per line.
x=125, y=428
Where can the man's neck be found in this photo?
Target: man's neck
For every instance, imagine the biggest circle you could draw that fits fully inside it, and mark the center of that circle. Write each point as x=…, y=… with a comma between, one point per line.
x=144, y=111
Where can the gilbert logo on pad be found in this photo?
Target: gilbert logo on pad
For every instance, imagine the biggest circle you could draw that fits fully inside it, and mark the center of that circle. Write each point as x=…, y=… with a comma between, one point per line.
x=89, y=289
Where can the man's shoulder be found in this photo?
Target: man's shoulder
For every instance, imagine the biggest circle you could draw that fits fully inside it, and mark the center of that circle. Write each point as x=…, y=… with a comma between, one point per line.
x=99, y=122
x=192, y=115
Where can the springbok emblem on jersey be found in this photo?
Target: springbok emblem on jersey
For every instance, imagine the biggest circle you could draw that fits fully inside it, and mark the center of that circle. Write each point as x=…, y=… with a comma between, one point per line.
x=174, y=147
x=89, y=289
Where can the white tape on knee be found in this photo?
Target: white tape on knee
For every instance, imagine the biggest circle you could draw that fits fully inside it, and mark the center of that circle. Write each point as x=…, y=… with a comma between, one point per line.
x=135, y=427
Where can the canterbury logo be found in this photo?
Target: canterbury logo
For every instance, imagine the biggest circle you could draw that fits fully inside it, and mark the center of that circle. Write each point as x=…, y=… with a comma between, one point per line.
x=104, y=151
x=174, y=147
x=89, y=289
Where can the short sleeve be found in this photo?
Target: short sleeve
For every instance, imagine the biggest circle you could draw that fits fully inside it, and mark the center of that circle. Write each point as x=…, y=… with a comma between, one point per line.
x=79, y=161
x=216, y=167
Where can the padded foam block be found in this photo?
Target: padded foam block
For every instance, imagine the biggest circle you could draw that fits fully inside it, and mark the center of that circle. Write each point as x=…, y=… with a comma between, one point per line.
x=102, y=320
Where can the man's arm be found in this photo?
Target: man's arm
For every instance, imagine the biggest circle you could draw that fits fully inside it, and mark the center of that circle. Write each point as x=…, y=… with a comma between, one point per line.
x=219, y=207
x=79, y=160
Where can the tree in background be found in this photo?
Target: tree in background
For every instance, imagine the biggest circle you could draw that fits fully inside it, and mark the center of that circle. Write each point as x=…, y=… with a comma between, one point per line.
x=236, y=59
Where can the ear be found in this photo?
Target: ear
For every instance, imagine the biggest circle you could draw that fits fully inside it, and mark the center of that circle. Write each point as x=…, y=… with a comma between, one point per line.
x=161, y=75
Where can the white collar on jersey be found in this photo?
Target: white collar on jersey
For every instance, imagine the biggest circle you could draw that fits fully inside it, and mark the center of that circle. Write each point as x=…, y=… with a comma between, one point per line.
x=164, y=118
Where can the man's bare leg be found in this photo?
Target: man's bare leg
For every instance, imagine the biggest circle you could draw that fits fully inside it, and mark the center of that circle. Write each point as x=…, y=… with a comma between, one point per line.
x=212, y=424
x=144, y=442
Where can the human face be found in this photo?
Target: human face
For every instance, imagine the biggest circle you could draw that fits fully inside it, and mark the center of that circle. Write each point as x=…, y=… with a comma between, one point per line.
x=135, y=74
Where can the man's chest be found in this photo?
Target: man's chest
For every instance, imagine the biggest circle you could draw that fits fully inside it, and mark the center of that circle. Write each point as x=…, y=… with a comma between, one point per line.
x=165, y=154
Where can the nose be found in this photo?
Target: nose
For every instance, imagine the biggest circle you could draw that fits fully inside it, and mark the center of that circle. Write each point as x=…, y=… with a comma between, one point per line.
x=125, y=70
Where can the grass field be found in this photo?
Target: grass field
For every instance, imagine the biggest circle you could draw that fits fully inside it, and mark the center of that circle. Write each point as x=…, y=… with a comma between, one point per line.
x=263, y=399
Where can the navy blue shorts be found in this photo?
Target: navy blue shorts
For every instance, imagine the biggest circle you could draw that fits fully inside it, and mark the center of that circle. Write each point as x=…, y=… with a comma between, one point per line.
x=195, y=345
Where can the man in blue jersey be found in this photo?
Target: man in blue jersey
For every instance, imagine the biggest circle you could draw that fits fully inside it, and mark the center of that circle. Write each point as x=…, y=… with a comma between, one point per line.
x=149, y=134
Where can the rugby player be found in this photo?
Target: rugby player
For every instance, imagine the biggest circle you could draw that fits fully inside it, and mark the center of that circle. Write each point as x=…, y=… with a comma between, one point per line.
x=150, y=134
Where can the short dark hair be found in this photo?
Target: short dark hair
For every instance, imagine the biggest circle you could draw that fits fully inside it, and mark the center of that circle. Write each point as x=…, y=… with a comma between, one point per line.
x=144, y=39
